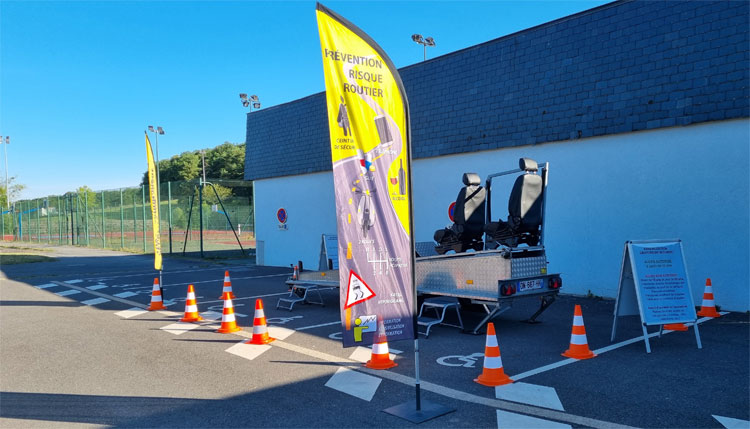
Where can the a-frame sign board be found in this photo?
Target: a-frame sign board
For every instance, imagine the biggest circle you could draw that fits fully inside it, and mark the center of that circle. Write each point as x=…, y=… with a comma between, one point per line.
x=654, y=285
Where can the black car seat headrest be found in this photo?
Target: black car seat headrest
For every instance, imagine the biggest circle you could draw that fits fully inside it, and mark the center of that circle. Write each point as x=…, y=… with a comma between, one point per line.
x=528, y=164
x=471, y=179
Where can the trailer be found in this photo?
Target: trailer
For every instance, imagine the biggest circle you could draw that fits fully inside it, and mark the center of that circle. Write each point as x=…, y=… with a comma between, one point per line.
x=511, y=266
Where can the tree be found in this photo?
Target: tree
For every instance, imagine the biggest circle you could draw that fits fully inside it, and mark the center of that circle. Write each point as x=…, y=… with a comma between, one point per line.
x=88, y=196
x=226, y=161
x=15, y=192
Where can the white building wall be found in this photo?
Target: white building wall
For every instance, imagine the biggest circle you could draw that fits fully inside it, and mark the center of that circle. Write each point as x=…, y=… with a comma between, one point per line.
x=690, y=183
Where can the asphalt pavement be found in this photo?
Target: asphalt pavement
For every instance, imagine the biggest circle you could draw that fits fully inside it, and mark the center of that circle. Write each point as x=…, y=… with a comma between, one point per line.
x=77, y=348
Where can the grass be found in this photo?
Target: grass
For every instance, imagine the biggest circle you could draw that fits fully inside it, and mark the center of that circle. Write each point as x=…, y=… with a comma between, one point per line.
x=23, y=258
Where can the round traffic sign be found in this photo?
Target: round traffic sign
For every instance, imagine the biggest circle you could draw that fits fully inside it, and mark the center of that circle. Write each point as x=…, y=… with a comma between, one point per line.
x=281, y=215
x=451, y=208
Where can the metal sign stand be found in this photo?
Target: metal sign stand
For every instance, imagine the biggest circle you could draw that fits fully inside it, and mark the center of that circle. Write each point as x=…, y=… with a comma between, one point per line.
x=632, y=293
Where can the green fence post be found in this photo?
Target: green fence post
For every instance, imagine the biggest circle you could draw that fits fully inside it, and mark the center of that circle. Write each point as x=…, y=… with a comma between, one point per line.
x=86, y=210
x=28, y=224
x=200, y=212
x=122, y=223
x=135, y=223
x=49, y=233
x=143, y=200
x=59, y=222
x=169, y=209
x=104, y=229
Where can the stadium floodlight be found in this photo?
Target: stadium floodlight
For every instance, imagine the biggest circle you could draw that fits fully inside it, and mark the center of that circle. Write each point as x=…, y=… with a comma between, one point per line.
x=424, y=41
x=250, y=101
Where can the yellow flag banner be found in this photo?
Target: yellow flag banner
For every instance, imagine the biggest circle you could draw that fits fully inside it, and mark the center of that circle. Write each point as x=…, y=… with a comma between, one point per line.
x=368, y=121
x=153, y=192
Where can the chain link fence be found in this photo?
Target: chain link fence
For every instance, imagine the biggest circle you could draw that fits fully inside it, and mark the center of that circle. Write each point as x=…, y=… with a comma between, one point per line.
x=209, y=219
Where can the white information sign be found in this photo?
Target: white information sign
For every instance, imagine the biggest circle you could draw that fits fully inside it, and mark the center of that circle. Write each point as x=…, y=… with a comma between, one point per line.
x=654, y=285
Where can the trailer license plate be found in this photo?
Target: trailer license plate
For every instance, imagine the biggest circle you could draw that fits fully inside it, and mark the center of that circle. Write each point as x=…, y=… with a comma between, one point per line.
x=525, y=285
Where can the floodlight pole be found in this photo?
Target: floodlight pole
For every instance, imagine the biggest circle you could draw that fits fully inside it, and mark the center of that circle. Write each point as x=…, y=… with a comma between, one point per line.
x=7, y=189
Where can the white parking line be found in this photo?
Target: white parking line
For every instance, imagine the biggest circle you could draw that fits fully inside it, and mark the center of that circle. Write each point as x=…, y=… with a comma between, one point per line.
x=598, y=352
x=95, y=301
x=131, y=312
x=125, y=294
x=67, y=292
x=96, y=287
x=45, y=286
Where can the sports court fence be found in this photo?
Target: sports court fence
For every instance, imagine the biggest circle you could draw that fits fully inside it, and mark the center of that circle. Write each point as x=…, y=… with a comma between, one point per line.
x=209, y=219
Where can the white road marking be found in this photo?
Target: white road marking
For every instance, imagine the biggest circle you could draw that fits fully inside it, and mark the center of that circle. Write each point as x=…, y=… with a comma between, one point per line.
x=131, y=312
x=113, y=298
x=279, y=332
x=599, y=351
x=211, y=315
x=45, y=286
x=452, y=394
x=319, y=326
x=179, y=328
x=510, y=420
x=357, y=384
x=67, y=292
x=96, y=287
x=248, y=351
x=731, y=423
x=125, y=294
x=95, y=301
x=531, y=394
x=70, y=282
x=170, y=313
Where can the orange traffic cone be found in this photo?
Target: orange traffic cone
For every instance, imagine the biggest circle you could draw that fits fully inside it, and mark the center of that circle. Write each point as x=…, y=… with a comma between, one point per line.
x=156, y=302
x=579, y=346
x=295, y=273
x=493, y=373
x=227, y=286
x=191, y=307
x=228, y=321
x=381, y=356
x=676, y=327
x=260, y=330
x=708, y=308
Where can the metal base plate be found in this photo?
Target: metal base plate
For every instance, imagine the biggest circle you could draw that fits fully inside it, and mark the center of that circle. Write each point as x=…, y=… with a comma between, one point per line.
x=408, y=411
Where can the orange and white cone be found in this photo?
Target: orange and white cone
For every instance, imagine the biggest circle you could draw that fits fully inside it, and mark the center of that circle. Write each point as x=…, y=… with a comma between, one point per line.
x=708, y=308
x=191, y=307
x=295, y=273
x=493, y=373
x=381, y=356
x=156, y=301
x=228, y=321
x=676, y=327
x=579, y=346
x=260, y=329
x=227, y=287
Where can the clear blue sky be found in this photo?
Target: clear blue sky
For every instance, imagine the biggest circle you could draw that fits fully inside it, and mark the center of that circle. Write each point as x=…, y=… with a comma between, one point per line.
x=80, y=81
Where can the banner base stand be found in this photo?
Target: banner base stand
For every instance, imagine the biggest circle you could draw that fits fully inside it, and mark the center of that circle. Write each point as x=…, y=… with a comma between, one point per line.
x=429, y=410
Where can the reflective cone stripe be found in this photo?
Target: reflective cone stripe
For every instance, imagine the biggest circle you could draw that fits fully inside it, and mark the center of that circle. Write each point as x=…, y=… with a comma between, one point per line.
x=295, y=274
x=260, y=330
x=227, y=286
x=228, y=321
x=493, y=373
x=708, y=308
x=579, y=346
x=380, y=357
x=191, y=307
x=156, y=301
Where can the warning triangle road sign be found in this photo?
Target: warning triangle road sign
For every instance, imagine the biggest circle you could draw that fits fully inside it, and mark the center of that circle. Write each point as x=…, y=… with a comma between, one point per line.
x=357, y=291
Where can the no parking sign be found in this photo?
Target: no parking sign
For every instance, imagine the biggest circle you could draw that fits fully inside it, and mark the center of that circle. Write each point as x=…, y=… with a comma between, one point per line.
x=282, y=217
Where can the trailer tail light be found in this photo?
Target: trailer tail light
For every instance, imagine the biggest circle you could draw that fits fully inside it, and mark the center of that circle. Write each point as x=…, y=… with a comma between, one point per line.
x=507, y=289
x=555, y=283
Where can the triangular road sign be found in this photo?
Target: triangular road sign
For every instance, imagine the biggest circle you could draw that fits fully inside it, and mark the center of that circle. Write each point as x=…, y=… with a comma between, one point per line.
x=357, y=291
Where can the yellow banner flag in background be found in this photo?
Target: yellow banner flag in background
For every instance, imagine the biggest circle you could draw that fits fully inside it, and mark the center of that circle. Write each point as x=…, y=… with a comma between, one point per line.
x=153, y=191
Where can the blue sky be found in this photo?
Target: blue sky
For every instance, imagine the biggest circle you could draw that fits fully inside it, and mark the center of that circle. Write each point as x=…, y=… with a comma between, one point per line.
x=80, y=81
